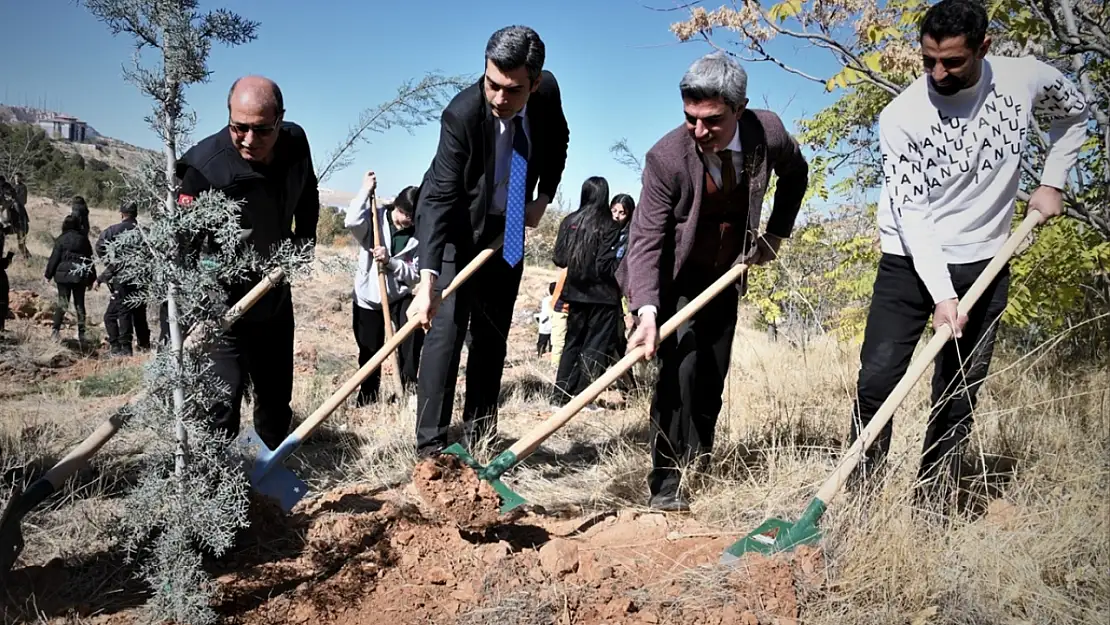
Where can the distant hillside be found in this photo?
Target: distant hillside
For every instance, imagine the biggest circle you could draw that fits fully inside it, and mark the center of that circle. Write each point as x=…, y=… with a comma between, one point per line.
x=115, y=153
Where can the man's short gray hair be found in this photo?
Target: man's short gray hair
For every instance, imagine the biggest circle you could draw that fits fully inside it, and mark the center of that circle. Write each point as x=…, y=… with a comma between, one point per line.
x=715, y=75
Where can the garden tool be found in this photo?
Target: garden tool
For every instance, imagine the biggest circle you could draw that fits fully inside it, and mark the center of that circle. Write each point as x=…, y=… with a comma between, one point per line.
x=267, y=475
x=384, y=297
x=777, y=535
x=531, y=442
x=21, y=502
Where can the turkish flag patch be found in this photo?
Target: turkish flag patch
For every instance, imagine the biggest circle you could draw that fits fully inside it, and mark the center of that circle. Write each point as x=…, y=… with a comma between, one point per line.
x=184, y=200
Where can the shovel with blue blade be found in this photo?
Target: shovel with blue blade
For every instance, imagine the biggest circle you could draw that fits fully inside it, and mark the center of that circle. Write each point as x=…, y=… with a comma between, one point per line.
x=779, y=535
x=268, y=475
x=524, y=447
x=22, y=502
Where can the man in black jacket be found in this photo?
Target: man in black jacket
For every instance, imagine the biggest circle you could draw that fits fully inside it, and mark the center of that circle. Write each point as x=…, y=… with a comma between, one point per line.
x=499, y=139
x=122, y=315
x=264, y=162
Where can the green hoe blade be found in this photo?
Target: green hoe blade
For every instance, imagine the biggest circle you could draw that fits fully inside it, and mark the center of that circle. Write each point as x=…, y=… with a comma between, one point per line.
x=777, y=535
x=460, y=452
x=492, y=474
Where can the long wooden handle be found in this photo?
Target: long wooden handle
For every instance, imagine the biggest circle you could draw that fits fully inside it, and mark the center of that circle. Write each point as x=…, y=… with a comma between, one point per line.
x=383, y=295
x=854, y=454
x=339, y=396
x=532, y=441
x=60, y=472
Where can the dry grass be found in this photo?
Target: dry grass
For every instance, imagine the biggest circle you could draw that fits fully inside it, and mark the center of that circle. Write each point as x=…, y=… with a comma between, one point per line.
x=1041, y=443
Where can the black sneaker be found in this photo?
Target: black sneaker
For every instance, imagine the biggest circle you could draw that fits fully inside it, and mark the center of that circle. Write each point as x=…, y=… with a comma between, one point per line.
x=669, y=502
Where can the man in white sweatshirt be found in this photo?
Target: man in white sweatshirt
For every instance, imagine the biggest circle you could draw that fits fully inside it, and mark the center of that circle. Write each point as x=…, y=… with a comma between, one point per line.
x=396, y=248
x=952, y=145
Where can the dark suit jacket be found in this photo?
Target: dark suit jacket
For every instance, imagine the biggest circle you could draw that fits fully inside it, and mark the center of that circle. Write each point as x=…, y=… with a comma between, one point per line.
x=662, y=228
x=458, y=187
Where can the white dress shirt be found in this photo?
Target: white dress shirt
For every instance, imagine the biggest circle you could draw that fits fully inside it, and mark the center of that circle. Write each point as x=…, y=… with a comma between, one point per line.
x=504, y=157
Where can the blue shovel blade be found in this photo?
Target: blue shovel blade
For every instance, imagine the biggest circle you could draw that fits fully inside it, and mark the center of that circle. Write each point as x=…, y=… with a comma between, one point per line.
x=269, y=477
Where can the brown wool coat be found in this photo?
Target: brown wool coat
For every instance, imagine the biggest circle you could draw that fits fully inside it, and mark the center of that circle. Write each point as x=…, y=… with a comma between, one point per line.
x=662, y=230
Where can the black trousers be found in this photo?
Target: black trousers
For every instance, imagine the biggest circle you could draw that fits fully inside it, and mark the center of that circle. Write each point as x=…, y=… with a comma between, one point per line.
x=120, y=320
x=67, y=292
x=543, y=344
x=592, y=331
x=900, y=310
x=258, y=351
x=687, y=398
x=369, y=329
x=484, y=307
x=4, y=296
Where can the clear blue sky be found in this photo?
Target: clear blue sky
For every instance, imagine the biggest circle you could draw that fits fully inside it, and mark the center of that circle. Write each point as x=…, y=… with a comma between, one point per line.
x=616, y=61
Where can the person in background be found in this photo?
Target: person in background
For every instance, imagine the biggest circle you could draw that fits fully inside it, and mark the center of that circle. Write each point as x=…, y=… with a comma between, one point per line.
x=559, y=310
x=397, y=251
x=80, y=209
x=587, y=247
x=622, y=208
x=8, y=217
x=72, y=270
x=24, y=225
x=122, y=315
x=543, y=318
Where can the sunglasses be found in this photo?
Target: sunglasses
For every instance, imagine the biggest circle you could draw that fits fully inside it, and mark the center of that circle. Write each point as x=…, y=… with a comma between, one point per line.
x=259, y=129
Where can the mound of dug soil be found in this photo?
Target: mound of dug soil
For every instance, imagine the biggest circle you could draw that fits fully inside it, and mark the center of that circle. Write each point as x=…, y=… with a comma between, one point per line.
x=393, y=565
x=456, y=493
x=354, y=556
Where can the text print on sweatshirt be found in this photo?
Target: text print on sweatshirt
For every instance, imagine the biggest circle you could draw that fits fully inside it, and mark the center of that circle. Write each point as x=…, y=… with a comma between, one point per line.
x=952, y=164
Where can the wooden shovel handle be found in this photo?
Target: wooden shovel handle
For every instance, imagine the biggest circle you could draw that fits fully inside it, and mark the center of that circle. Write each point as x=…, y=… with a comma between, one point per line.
x=339, y=396
x=383, y=295
x=854, y=454
x=532, y=441
x=65, y=467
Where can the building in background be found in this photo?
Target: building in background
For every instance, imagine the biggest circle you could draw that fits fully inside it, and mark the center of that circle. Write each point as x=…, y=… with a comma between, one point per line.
x=65, y=128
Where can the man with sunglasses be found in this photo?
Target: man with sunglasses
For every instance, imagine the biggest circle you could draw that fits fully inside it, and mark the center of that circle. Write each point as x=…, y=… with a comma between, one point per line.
x=264, y=162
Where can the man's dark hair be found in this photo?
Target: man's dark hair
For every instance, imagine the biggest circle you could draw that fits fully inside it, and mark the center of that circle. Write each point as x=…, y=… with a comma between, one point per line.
x=514, y=46
x=953, y=18
x=129, y=208
x=406, y=200
x=275, y=92
x=71, y=223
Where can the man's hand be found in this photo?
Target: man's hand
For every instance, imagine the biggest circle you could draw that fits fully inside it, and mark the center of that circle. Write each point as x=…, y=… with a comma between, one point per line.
x=947, y=314
x=535, y=209
x=766, y=249
x=645, y=334
x=369, y=182
x=425, y=301
x=1048, y=201
x=380, y=256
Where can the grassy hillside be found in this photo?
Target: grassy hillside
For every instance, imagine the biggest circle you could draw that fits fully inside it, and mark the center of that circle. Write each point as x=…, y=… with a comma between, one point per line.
x=56, y=172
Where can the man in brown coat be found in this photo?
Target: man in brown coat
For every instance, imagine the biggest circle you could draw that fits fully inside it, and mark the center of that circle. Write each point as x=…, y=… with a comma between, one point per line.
x=700, y=204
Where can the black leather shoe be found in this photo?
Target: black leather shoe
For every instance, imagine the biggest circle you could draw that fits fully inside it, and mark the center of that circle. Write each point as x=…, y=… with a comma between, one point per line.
x=669, y=502
x=430, y=451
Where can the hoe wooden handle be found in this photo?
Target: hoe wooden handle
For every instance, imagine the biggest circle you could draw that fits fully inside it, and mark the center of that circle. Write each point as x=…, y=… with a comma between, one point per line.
x=532, y=441
x=339, y=396
x=65, y=467
x=854, y=455
x=384, y=296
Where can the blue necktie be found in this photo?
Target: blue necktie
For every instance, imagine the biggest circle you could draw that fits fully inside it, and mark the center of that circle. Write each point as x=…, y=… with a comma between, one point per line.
x=513, y=248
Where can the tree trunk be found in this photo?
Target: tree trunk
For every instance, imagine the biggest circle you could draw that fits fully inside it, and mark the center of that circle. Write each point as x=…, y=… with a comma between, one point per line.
x=170, y=150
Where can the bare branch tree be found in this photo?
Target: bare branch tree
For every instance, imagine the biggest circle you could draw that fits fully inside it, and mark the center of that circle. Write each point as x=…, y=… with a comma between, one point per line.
x=415, y=104
x=625, y=156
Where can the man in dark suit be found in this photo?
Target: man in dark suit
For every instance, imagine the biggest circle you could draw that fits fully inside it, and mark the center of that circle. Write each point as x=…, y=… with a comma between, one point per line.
x=265, y=162
x=501, y=140
x=700, y=205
